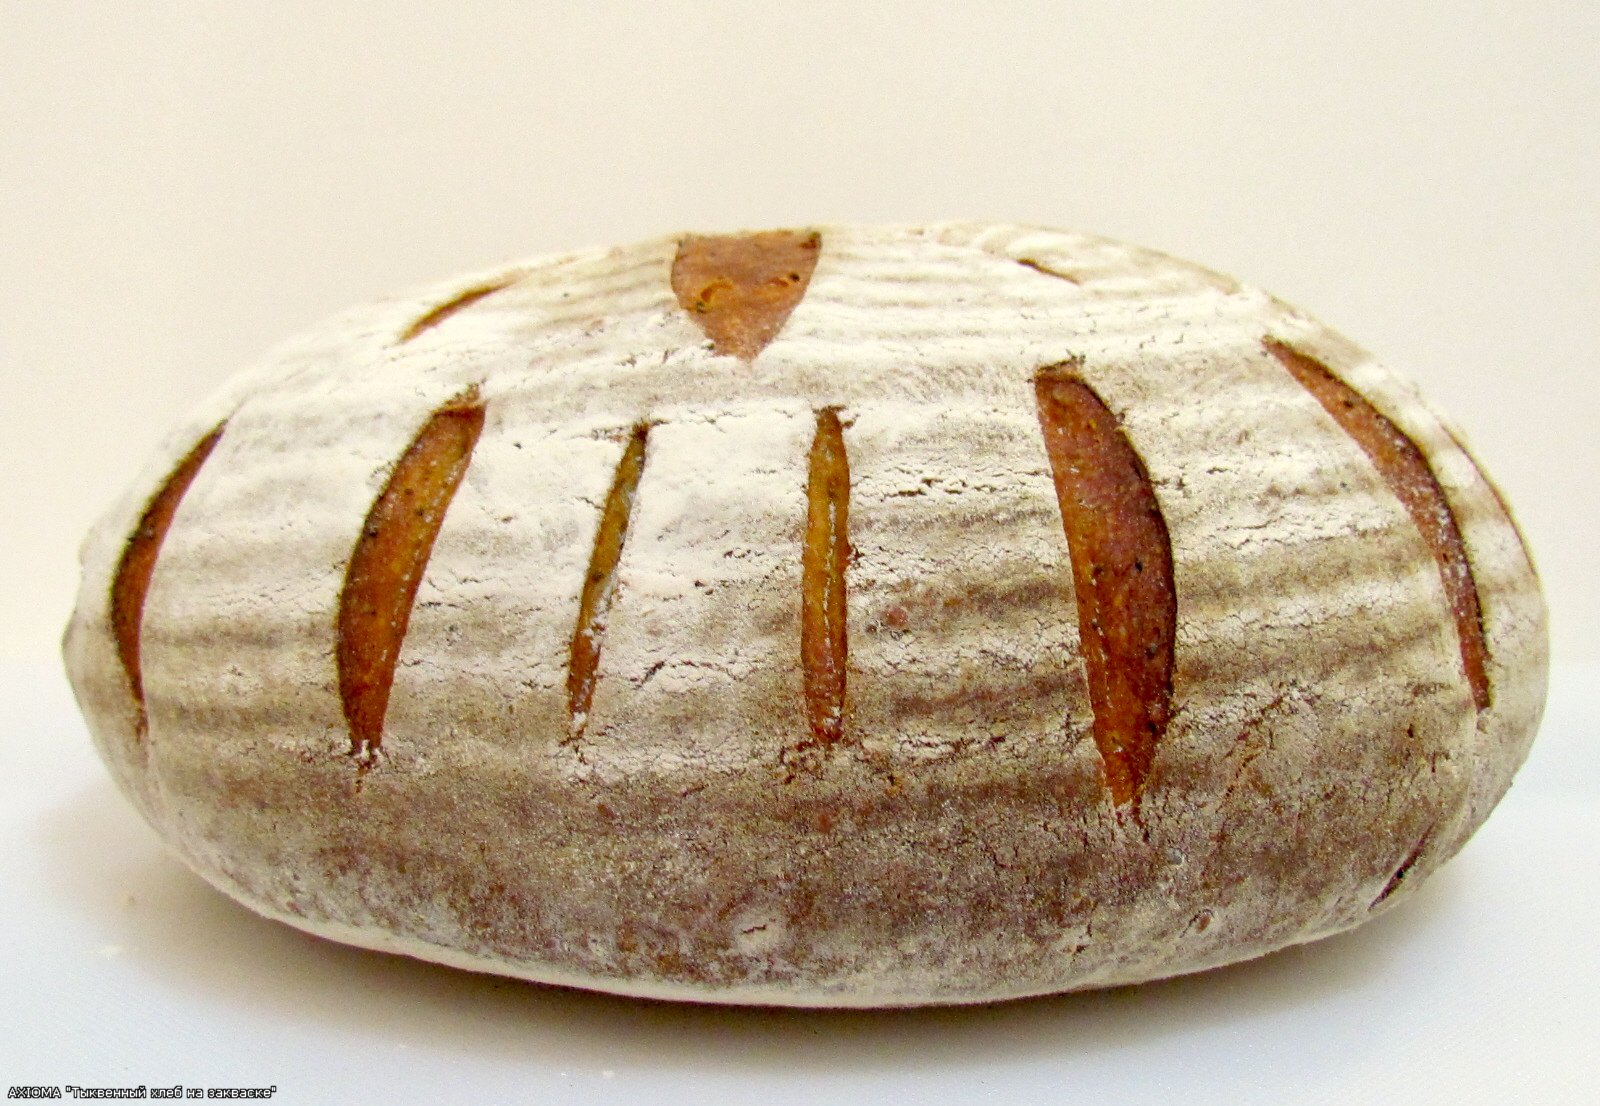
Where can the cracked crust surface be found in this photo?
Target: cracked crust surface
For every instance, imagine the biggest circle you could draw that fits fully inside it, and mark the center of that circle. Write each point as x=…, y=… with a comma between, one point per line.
x=959, y=843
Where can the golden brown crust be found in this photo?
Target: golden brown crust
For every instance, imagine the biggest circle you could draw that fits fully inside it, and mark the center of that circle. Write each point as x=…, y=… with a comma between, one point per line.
x=1122, y=569
x=824, y=635
x=600, y=582
x=1406, y=471
x=741, y=288
x=131, y=583
x=388, y=561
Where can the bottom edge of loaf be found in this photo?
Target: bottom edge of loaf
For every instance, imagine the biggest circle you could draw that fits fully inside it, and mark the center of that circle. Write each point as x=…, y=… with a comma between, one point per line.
x=825, y=997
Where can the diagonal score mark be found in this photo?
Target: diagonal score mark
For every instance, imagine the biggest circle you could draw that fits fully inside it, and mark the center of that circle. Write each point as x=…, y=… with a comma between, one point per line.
x=741, y=288
x=459, y=302
x=1122, y=570
x=1409, y=476
x=1403, y=870
x=131, y=584
x=600, y=583
x=386, y=566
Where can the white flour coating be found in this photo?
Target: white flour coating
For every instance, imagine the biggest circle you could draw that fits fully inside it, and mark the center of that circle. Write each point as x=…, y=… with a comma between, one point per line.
x=961, y=844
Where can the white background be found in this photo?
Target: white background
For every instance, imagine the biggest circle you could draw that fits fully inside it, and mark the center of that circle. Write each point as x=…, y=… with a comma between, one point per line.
x=184, y=184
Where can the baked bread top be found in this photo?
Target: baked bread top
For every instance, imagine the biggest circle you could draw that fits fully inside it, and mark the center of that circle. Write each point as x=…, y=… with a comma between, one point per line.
x=851, y=616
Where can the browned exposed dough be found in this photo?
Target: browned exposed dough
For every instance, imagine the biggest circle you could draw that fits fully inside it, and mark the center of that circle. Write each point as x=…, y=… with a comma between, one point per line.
x=1122, y=570
x=380, y=585
x=741, y=288
x=600, y=585
x=1411, y=478
x=449, y=307
x=131, y=583
x=959, y=842
x=824, y=644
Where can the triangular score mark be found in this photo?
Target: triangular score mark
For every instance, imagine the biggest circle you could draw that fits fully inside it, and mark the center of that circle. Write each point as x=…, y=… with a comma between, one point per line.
x=741, y=288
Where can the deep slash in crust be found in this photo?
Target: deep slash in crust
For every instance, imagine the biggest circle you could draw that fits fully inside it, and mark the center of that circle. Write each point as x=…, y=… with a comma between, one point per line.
x=600, y=583
x=1122, y=571
x=386, y=567
x=824, y=641
x=741, y=288
x=131, y=584
x=1412, y=480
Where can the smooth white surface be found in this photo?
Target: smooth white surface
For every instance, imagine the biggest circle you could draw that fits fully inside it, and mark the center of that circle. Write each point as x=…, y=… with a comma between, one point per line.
x=123, y=968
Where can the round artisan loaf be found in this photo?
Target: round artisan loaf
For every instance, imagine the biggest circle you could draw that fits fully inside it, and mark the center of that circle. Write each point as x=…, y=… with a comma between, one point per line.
x=850, y=617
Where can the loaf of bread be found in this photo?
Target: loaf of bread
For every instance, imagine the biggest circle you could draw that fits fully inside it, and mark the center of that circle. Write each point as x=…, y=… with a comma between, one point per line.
x=862, y=616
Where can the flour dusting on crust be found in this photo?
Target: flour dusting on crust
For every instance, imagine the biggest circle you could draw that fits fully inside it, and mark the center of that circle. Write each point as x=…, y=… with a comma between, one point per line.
x=955, y=839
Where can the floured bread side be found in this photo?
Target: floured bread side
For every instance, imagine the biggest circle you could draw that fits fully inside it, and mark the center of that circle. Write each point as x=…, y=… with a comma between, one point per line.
x=858, y=616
